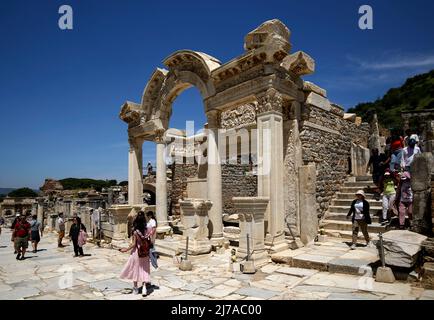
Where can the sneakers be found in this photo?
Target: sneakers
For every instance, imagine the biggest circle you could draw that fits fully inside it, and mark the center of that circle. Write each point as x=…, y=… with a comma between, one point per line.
x=19, y=256
x=135, y=290
x=353, y=247
x=369, y=244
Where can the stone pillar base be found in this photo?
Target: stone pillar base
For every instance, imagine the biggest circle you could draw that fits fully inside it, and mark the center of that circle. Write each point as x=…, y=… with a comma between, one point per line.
x=217, y=242
x=195, y=247
x=161, y=231
x=260, y=258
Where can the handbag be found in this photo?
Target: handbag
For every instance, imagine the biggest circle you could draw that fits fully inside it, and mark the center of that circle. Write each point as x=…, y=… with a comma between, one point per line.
x=82, y=238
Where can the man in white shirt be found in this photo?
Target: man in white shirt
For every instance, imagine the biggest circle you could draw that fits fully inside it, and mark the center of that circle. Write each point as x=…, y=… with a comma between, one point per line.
x=408, y=154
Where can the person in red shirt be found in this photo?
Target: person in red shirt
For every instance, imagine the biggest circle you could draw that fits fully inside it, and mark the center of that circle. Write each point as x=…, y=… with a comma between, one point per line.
x=22, y=236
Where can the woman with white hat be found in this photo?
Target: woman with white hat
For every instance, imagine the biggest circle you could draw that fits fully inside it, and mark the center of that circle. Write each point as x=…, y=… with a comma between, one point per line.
x=359, y=213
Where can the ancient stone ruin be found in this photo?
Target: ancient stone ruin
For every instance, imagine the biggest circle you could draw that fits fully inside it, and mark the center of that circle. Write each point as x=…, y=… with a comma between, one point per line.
x=287, y=142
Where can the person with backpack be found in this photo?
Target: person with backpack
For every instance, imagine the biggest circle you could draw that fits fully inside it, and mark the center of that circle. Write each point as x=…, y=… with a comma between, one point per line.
x=21, y=236
x=76, y=234
x=137, y=268
x=35, y=227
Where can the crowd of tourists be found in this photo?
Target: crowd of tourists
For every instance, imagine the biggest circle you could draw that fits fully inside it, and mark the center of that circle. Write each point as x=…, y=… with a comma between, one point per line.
x=392, y=178
x=26, y=228
x=391, y=175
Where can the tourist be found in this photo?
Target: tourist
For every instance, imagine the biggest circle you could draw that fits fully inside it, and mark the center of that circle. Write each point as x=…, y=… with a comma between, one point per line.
x=151, y=230
x=22, y=236
x=149, y=168
x=408, y=154
x=61, y=230
x=359, y=214
x=404, y=198
x=375, y=160
x=17, y=217
x=387, y=187
x=35, y=227
x=74, y=234
x=137, y=268
x=396, y=149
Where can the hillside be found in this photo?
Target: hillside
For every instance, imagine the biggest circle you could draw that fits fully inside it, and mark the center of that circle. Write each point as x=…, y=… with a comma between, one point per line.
x=417, y=93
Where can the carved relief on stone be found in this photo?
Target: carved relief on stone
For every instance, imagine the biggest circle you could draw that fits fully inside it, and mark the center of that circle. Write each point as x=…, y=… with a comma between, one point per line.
x=241, y=115
x=272, y=100
x=159, y=135
x=299, y=63
x=131, y=112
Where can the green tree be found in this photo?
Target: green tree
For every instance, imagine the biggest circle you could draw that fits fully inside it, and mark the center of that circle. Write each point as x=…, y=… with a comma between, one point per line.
x=23, y=192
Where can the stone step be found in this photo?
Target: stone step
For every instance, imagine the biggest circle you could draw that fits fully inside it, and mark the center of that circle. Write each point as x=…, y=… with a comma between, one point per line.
x=344, y=234
x=364, y=178
x=360, y=184
x=353, y=190
x=347, y=202
x=343, y=217
x=343, y=196
x=344, y=209
x=375, y=227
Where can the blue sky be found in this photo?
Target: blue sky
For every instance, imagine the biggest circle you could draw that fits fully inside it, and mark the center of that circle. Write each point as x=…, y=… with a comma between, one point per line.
x=61, y=91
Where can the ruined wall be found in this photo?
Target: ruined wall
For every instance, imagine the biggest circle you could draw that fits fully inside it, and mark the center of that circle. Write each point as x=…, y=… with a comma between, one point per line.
x=178, y=185
x=237, y=181
x=326, y=140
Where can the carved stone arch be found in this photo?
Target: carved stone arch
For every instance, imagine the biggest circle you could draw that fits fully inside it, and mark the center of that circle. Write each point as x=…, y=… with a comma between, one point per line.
x=152, y=92
x=186, y=68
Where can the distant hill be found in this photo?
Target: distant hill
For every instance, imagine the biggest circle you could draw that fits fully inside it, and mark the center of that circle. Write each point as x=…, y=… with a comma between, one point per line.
x=417, y=93
x=6, y=191
x=75, y=183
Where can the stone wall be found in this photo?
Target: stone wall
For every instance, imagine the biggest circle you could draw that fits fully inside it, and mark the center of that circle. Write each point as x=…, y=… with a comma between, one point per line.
x=237, y=181
x=178, y=185
x=326, y=141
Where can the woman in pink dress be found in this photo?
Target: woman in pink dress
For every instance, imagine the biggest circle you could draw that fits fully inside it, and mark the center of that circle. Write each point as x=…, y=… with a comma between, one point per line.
x=137, y=268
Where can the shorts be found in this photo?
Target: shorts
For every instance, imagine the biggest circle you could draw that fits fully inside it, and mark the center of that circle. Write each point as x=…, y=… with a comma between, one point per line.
x=35, y=236
x=21, y=242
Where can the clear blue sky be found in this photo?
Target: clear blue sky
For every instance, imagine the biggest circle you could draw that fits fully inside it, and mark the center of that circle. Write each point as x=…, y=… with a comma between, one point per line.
x=61, y=91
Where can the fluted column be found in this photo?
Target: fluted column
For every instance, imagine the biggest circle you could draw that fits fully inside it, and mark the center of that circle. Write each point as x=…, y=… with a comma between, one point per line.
x=214, y=180
x=135, y=172
x=161, y=187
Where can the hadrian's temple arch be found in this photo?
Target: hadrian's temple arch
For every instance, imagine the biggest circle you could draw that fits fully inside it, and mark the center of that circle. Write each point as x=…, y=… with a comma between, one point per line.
x=301, y=139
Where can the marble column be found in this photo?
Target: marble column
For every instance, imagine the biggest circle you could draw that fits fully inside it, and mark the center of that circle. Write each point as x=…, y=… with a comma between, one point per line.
x=270, y=167
x=135, y=172
x=214, y=181
x=161, y=186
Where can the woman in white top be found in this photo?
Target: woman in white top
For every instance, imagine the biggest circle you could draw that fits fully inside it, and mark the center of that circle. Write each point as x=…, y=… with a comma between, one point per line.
x=151, y=226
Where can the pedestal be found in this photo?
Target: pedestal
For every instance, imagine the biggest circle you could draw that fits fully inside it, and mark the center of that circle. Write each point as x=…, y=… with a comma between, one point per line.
x=251, y=211
x=194, y=218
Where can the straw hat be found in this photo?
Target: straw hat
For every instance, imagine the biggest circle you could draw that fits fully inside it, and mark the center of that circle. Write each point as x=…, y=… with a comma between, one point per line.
x=361, y=192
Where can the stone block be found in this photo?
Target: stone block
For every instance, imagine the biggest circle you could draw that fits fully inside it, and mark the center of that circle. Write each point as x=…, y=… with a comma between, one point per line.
x=308, y=211
x=309, y=261
x=286, y=256
x=384, y=274
x=316, y=100
x=402, y=247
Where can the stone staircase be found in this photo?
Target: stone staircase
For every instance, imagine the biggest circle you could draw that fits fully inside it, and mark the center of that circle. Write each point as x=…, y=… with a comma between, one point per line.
x=335, y=223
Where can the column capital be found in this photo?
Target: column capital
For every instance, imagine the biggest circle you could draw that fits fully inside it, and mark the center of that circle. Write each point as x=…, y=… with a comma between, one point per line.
x=271, y=100
x=159, y=136
x=213, y=117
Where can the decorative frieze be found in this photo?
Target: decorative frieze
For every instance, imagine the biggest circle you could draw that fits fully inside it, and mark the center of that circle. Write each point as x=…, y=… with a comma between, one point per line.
x=242, y=115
